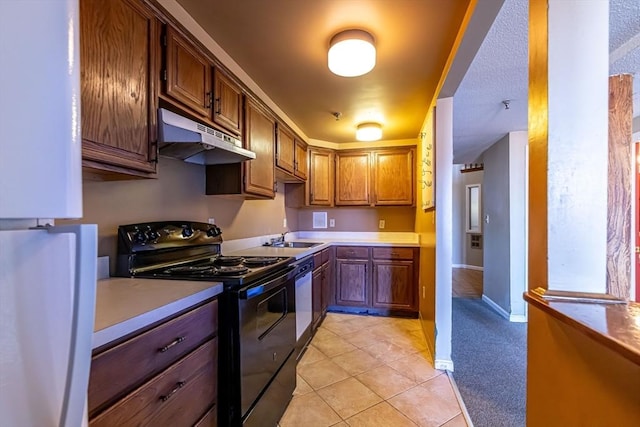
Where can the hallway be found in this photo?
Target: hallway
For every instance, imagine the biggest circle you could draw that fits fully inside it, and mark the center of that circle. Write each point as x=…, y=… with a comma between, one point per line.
x=489, y=355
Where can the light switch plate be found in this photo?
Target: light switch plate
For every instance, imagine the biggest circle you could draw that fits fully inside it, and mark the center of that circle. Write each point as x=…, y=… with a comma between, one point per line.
x=332, y=222
x=381, y=224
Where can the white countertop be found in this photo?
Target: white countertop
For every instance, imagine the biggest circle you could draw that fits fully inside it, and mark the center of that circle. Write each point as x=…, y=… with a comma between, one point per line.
x=125, y=305
x=328, y=241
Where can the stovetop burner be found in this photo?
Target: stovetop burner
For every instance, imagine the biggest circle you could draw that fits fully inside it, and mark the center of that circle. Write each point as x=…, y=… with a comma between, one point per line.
x=231, y=270
x=191, y=269
x=228, y=260
x=259, y=261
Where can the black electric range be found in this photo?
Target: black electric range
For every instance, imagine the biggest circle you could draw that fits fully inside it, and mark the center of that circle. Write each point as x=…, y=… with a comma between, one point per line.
x=187, y=250
x=257, y=314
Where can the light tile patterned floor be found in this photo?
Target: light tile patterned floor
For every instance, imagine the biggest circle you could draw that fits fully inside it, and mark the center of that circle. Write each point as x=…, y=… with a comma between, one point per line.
x=371, y=371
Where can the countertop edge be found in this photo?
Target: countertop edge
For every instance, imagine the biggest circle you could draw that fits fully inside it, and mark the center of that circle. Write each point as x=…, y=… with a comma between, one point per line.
x=299, y=253
x=119, y=330
x=627, y=351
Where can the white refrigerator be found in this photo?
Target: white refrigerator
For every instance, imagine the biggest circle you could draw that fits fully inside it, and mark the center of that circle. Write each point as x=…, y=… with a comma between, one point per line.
x=47, y=274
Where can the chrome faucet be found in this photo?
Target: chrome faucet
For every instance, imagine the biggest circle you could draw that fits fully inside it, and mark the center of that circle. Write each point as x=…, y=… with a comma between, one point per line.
x=282, y=236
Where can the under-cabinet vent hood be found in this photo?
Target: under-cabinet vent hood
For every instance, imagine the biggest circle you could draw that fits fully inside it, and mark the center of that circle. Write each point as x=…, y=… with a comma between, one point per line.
x=188, y=140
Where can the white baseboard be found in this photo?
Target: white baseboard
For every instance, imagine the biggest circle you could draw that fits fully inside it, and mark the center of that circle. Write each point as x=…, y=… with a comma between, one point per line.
x=468, y=267
x=443, y=364
x=516, y=318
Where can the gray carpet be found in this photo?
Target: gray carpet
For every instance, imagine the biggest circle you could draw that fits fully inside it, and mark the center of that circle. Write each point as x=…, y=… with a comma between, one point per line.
x=489, y=356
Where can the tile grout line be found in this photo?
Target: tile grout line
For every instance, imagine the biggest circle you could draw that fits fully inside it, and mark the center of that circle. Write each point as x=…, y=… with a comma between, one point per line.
x=463, y=407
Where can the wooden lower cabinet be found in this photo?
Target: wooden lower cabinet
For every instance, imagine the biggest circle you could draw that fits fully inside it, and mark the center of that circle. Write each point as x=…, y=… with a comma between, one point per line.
x=352, y=282
x=166, y=375
x=378, y=280
x=393, y=286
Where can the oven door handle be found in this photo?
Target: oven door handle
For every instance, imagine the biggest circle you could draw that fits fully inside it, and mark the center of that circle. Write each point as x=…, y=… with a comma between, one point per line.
x=254, y=291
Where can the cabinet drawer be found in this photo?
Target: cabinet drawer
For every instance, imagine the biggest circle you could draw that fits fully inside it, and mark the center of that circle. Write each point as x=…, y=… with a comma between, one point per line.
x=317, y=259
x=356, y=252
x=119, y=369
x=392, y=253
x=325, y=255
x=177, y=397
x=210, y=419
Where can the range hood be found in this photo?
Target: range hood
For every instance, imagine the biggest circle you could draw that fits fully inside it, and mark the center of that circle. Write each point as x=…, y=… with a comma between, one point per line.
x=193, y=142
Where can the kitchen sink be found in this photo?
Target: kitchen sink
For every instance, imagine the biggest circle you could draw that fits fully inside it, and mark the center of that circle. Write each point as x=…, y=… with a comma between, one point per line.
x=295, y=244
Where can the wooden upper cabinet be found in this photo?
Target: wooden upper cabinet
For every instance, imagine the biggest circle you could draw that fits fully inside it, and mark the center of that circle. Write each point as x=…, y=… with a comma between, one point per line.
x=321, y=177
x=301, y=160
x=260, y=132
x=119, y=62
x=227, y=103
x=352, y=179
x=188, y=74
x=393, y=177
x=286, y=149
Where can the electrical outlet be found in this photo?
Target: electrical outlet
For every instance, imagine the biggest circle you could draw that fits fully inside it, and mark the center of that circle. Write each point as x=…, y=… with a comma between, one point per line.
x=332, y=222
x=212, y=221
x=381, y=224
x=284, y=222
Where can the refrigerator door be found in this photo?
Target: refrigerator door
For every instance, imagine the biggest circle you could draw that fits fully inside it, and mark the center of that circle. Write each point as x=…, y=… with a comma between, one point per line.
x=47, y=300
x=40, y=136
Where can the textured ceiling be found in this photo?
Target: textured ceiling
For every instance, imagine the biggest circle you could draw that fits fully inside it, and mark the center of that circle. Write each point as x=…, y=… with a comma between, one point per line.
x=282, y=46
x=500, y=72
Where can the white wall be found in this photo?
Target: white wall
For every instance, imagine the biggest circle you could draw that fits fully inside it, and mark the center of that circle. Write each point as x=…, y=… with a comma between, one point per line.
x=463, y=254
x=444, y=230
x=504, y=202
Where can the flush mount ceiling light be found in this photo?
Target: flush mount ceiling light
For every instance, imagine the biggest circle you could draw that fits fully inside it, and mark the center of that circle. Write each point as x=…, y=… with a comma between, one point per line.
x=369, y=131
x=352, y=53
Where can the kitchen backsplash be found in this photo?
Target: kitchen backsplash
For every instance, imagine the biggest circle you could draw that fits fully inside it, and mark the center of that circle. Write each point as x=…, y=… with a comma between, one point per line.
x=179, y=194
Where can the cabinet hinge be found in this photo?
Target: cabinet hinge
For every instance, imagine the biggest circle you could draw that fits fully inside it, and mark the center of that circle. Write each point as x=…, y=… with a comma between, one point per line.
x=164, y=74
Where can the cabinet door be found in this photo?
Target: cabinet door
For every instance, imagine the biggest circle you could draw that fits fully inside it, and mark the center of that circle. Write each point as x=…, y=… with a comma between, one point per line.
x=259, y=176
x=393, y=174
x=321, y=174
x=118, y=100
x=326, y=290
x=352, y=285
x=352, y=179
x=301, y=160
x=393, y=285
x=316, y=285
x=188, y=74
x=228, y=103
x=285, y=149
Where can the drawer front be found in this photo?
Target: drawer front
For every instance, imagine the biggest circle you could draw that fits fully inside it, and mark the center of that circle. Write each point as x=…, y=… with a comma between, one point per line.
x=392, y=253
x=177, y=397
x=325, y=255
x=210, y=419
x=119, y=369
x=354, y=252
x=317, y=259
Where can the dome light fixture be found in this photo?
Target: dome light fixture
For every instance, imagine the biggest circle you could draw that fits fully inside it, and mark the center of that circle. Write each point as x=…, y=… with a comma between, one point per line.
x=352, y=53
x=369, y=131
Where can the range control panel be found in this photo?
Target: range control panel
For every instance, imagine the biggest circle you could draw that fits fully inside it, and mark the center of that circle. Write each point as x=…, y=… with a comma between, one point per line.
x=148, y=236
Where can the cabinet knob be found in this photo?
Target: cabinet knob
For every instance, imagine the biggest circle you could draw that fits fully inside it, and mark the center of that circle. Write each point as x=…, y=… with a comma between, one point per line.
x=218, y=108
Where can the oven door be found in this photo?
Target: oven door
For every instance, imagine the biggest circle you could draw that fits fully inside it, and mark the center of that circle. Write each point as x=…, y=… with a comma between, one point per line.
x=267, y=332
